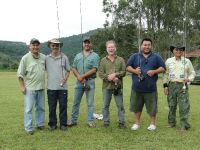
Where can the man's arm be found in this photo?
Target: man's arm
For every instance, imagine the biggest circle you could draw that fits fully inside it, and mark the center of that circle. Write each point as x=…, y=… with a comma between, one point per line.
x=22, y=85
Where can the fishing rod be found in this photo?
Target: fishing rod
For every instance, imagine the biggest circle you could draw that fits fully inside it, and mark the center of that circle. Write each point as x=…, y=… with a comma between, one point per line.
x=184, y=42
x=58, y=25
x=140, y=76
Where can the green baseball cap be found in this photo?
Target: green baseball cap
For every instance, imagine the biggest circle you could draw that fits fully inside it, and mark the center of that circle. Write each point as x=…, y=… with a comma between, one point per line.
x=34, y=40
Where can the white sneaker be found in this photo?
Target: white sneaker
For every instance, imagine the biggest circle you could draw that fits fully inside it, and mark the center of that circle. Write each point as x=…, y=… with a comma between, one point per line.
x=135, y=127
x=151, y=127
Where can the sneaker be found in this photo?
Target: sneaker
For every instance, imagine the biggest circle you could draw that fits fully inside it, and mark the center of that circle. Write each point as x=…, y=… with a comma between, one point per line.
x=91, y=125
x=151, y=127
x=29, y=132
x=71, y=124
x=135, y=127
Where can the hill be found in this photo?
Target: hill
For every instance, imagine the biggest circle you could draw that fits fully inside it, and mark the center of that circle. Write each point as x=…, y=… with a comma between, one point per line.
x=11, y=51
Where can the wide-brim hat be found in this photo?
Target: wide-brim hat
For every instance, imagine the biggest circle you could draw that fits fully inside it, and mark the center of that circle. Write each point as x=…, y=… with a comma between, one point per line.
x=55, y=41
x=178, y=46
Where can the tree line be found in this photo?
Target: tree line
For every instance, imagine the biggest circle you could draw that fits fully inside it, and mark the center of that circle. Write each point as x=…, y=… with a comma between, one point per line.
x=166, y=22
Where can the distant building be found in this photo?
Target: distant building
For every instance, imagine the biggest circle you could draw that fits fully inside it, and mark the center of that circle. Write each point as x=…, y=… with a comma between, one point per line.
x=193, y=53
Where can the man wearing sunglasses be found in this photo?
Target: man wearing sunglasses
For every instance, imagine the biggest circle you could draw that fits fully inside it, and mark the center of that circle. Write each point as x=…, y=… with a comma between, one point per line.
x=58, y=70
x=179, y=72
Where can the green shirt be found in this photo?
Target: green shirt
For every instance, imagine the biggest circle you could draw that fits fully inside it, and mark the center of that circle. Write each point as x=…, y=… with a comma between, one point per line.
x=32, y=71
x=84, y=64
x=107, y=67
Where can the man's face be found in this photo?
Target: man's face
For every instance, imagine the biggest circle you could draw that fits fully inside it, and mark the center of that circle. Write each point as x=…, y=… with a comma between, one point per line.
x=111, y=49
x=87, y=45
x=146, y=47
x=54, y=46
x=177, y=52
x=34, y=48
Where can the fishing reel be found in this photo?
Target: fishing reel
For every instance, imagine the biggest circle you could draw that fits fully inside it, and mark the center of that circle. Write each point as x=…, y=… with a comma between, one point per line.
x=141, y=77
x=86, y=87
x=117, y=90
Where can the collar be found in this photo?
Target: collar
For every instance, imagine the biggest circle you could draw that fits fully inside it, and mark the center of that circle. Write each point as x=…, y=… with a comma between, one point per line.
x=35, y=56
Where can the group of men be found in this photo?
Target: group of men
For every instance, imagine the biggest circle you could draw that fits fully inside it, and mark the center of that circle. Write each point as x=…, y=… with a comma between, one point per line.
x=144, y=67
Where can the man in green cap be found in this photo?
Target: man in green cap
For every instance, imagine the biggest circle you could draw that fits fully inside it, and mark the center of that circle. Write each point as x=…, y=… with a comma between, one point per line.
x=179, y=72
x=31, y=75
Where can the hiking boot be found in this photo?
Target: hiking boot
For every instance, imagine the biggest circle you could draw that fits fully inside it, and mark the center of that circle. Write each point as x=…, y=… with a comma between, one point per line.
x=121, y=125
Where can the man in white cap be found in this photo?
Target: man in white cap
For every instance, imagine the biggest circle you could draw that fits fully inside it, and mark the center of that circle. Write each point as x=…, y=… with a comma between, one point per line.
x=58, y=70
x=31, y=75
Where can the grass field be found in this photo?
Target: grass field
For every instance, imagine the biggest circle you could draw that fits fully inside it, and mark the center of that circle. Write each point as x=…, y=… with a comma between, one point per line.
x=12, y=134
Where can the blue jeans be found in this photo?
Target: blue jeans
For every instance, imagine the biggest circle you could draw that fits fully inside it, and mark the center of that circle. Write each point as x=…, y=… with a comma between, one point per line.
x=61, y=97
x=31, y=98
x=107, y=96
x=79, y=91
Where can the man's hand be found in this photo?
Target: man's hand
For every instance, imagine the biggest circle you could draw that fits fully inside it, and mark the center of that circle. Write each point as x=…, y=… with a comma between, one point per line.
x=150, y=73
x=111, y=77
x=166, y=91
x=138, y=71
x=80, y=78
x=23, y=90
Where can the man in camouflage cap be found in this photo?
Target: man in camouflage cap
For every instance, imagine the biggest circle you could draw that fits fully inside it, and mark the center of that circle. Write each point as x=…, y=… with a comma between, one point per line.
x=179, y=72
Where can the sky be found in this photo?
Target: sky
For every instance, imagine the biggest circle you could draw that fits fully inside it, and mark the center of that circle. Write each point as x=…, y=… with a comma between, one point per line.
x=22, y=20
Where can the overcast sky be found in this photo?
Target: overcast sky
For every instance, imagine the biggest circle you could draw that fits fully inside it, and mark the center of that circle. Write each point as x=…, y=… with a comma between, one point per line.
x=22, y=20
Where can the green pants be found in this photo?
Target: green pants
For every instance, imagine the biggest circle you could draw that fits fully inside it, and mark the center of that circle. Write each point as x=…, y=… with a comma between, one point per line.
x=178, y=96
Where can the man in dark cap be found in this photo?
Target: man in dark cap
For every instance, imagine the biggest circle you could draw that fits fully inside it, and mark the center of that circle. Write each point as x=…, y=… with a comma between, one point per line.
x=84, y=67
x=31, y=75
x=179, y=72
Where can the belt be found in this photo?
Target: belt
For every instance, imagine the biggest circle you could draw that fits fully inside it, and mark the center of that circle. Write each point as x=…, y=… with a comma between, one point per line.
x=176, y=82
x=89, y=79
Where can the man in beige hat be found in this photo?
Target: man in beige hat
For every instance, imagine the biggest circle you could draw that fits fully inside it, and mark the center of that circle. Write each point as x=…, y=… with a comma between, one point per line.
x=58, y=70
x=31, y=75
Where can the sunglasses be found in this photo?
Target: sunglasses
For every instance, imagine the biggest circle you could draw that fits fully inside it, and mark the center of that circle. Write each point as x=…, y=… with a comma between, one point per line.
x=55, y=45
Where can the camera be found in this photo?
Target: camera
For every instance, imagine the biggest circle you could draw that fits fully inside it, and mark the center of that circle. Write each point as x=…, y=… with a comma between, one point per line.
x=117, y=90
x=86, y=87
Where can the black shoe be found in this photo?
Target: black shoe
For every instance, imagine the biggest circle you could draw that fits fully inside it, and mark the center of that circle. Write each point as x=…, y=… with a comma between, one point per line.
x=40, y=128
x=121, y=125
x=72, y=124
x=52, y=128
x=63, y=128
x=105, y=125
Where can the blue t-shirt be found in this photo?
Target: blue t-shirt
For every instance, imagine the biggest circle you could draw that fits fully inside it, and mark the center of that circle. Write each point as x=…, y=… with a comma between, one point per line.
x=152, y=62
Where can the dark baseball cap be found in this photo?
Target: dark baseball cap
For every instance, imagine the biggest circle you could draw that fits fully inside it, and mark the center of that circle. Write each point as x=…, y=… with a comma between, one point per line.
x=34, y=40
x=86, y=39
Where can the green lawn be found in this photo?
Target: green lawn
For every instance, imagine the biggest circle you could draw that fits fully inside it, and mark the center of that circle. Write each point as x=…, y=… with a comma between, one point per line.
x=12, y=134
